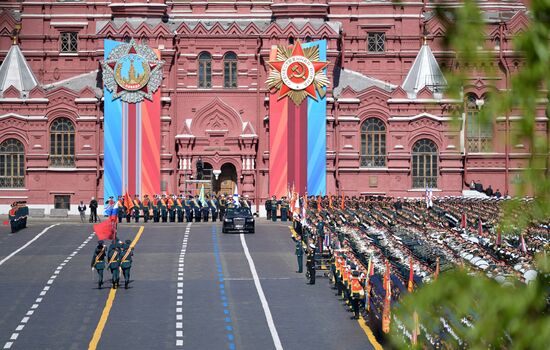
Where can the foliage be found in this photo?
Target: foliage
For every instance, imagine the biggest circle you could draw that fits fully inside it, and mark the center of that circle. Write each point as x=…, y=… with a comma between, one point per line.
x=519, y=311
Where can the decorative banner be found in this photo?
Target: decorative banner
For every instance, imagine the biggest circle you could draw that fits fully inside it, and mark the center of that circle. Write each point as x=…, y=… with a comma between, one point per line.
x=298, y=130
x=131, y=75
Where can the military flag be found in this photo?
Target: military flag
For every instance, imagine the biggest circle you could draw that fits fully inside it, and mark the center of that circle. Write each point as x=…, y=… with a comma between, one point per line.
x=330, y=201
x=499, y=238
x=463, y=221
x=319, y=203
x=128, y=203
x=236, y=197
x=343, y=203
x=386, y=312
x=105, y=230
x=436, y=274
x=411, y=276
x=522, y=245
x=202, y=199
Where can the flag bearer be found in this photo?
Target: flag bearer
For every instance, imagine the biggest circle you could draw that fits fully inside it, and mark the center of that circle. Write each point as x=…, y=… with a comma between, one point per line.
x=114, y=264
x=98, y=262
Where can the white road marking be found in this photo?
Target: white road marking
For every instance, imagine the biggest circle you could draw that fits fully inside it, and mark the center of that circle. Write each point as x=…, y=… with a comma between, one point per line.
x=35, y=305
x=263, y=300
x=26, y=245
x=179, y=291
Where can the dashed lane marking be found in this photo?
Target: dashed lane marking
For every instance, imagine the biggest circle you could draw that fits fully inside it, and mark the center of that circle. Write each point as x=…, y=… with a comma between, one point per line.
x=27, y=244
x=34, y=307
x=263, y=300
x=109, y=304
x=179, y=290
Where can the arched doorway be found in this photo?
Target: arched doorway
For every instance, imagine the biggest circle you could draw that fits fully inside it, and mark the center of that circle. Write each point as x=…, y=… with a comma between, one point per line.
x=225, y=184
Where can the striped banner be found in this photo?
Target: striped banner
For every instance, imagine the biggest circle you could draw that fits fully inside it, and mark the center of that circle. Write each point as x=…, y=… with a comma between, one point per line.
x=297, y=140
x=131, y=143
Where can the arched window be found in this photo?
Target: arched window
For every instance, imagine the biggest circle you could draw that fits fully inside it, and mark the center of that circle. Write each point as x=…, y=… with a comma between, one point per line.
x=479, y=135
x=12, y=164
x=205, y=70
x=62, y=143
x=230, y=70
x=373, y=143
x=424, y=164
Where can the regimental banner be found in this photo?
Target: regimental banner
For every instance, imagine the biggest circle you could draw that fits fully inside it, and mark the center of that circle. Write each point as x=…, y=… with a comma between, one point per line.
x=132, y=75
x=297, y=118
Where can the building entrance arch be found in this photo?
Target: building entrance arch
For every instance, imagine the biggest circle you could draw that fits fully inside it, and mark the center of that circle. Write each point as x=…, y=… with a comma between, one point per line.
x=227, y=180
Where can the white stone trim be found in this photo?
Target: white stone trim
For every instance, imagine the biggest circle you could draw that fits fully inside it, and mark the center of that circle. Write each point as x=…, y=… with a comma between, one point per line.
x=69, y=24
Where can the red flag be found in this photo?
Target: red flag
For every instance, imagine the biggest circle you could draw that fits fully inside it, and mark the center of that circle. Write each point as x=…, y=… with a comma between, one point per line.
x=330, y=201
x=386, y=276
x=480, y=228
x=499, y=238
x=463, y=222
x=411, y=276
x=104, y=230
x=436, y=274
x=386, y=317
x=343, y=203
x=128, y=203
x=319, y=203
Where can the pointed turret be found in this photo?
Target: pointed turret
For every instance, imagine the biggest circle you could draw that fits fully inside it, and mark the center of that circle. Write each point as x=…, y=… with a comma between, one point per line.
x=16, y=72
x=425, y=72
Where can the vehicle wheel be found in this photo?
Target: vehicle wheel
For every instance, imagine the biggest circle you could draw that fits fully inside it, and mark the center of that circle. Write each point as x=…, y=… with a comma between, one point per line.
x=224, y=230
x=251, y=231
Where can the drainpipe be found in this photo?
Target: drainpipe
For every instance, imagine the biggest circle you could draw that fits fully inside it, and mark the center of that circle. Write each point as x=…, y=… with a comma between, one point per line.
x=502, y=60
x=336, y=143
x=258, y=188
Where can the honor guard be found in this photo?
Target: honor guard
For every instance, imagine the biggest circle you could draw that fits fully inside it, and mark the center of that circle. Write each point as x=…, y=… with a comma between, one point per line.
x=213, y=203
x=179, y=208
x=163, y=208
x=127, y=253
x=310, y=263
x=98, y=262
x=171, y=208
x=223, y=206
x=156, y=209
x=137, y=207
x=121, y=209
x=284, y=209
x=188, y=209
x=357, y=293
x=205, y=209
x=147, y=206
x=274, y=205
x=299, y=251
x=114, y=264
x=197, y=209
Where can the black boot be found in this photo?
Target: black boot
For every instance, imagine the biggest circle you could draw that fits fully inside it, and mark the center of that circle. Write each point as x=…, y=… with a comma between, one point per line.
x=125, y=284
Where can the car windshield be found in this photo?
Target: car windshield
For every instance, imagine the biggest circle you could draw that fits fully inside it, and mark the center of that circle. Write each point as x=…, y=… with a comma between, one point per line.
x=239, y=212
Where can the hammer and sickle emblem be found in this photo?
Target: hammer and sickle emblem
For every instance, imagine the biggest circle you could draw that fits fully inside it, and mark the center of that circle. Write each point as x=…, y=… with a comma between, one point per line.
x=298, y=71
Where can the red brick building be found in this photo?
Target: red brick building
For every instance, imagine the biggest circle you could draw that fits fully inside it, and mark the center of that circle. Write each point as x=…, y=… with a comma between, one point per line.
x=388, y=125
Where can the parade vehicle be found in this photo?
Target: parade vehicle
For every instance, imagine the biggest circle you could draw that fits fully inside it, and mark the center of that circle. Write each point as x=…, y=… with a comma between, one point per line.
x=238, y=219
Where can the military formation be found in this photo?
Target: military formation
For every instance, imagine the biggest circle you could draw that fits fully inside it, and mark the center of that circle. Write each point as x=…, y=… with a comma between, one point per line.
x=117, y=258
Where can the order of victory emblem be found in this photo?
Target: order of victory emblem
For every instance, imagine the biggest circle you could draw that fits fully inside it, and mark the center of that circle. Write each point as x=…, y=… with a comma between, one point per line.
x=297, y=73
x=132, y=72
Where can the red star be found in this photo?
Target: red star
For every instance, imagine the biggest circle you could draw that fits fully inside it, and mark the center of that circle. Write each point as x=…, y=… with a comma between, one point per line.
x=278, y=65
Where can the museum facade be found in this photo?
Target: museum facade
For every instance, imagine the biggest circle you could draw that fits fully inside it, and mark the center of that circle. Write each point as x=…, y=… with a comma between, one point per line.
x=389, y=124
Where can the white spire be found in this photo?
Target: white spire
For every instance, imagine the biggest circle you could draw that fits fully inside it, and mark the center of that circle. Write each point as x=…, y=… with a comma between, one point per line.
x=424, y=72
x=15, y=71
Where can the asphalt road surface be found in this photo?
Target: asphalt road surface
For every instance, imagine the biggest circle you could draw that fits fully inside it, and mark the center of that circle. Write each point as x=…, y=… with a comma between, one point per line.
x=192, y=287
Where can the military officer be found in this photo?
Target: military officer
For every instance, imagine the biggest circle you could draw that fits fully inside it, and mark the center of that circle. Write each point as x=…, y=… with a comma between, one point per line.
x=213, y=203
x=121, y=209
x=310, y=263
x=357, y=293
x=274, y=204
x=137, y=207
x=147, y=206
x=98, y=262
x=197, y=209
x=114, y=263
x=205, y=210
x=299, y=251
x=268, y=208
x=188, y=209
x=179, y=207
x=163, y=208
x=127, y=253
x=156, y=208
x=284, y=209
x=223, y=206
x=171, y=208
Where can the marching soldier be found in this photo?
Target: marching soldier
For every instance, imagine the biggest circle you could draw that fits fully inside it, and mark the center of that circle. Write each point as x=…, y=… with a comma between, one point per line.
x=156, y=208
x=274, y=204
x=268, y=208
x=284, y=209
x=137, y=207
x=188, y=209
x=310, y=263
x=205, y=209
x=147, y=206
x=357, y=293
x=171, y=209
x=98, y=262
x=197, y=209
x=223, y=206
x=163, y=208
x=213, y=203
x=179, y=208
x=126, y=261
x=121, y=209
x=114, y=264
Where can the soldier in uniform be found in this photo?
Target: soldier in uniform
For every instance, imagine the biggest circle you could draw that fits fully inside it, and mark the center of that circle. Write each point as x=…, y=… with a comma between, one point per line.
x=121, y=209
x=188, y=209
x=163, y=208
x=284, y=209
x=156, y=209
x=274, y=204
x=114, y=263
x=310, y=263
x=299, y=251
x=98, y=262
x=197, y=209
x=137, y=207
x=213, y=203
x=205, y=210
x=268, y=208
x=179, y=208
x=223, y=206
x=357, y=293
x=127, y=253
x=171, y=208
x=147, y=206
